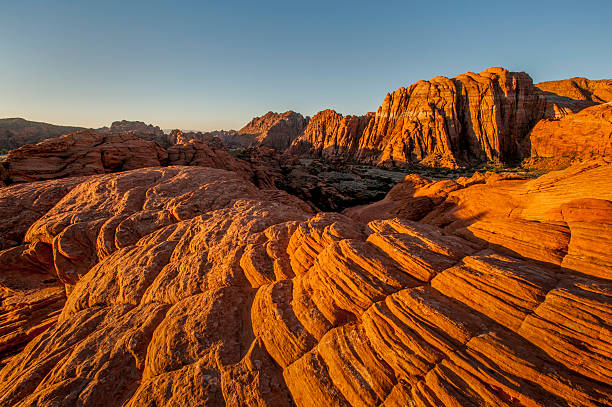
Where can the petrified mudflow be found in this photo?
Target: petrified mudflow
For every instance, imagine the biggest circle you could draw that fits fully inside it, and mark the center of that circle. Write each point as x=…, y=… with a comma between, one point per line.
x=191, y=286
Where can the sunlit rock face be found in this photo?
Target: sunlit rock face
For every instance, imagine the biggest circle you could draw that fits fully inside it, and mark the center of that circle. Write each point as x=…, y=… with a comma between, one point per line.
x=596, y=91
x=447, y=122
x=580, y=136
x=192, y=286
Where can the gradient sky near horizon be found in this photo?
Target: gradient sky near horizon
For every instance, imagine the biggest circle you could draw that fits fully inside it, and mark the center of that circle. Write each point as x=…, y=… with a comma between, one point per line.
x=215, y=64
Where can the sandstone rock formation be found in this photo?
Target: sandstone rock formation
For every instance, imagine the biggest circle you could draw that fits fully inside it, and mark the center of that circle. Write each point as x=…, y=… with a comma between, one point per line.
x=331, y=135
x=595, y=91
x=272, y=130
x=17, y=132
x=191, y=286
x=139, y=127
x=214, y=139
x=91, y=152
x=471, y=118
x=572, y=95
x=82, y=153
x=580, y=136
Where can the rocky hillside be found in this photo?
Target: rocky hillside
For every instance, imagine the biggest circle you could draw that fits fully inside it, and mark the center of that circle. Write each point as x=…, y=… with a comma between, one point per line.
x=191, y=286
x=17, y=132
x=272, y=130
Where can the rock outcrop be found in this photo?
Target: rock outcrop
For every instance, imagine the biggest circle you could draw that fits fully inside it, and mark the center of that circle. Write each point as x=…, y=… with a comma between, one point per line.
x=139, y=127
x=572, y=95
x=471, y=118
x=214, y=139
x=331, y=135
x=580, y=136
x=272, y=130
x=91, y=152
x=594, y=91
x=191, y=286
x=86, y=152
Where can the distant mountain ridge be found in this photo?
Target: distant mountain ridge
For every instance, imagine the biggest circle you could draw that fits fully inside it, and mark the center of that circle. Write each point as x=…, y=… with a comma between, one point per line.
x=15, y=132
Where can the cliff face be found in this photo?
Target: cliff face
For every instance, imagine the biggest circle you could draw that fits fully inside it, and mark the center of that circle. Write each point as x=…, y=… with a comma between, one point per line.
x=272, y=130
x=473, y=117
x=572, y=95
x=331, y=135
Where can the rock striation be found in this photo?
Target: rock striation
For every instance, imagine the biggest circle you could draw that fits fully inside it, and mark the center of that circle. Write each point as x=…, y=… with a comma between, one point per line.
x=446, y=122
x=192, y=286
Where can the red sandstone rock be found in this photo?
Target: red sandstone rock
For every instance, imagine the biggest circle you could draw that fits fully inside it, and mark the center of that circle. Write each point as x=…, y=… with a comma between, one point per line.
x=580, y=89
x=473, y=117
x=331, y=135
x=189, y=285
x=580, y=136
x=82, y=153
x=272, y=130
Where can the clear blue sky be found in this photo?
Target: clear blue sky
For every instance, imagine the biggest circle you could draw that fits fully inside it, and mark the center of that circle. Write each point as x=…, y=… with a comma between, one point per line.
x=211, y=65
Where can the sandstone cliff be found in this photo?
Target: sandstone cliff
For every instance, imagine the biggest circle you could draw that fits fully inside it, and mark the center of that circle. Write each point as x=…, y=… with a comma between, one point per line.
x=189, y=285
x=471, y=118
x=331, y=135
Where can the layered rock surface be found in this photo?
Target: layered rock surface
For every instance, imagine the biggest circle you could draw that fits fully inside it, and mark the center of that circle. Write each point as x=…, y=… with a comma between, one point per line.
x=471, y=118
x=92, y=152
x=191, y=286
x=581, y=136
x=331, y=135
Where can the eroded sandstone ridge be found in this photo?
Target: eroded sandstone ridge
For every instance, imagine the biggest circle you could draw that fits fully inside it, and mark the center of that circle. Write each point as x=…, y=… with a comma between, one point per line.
x=192, y=286
x=473, y=117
